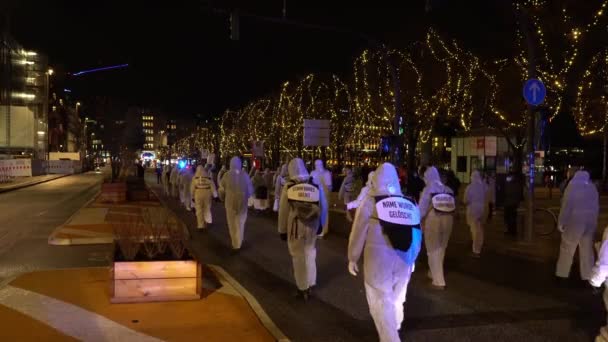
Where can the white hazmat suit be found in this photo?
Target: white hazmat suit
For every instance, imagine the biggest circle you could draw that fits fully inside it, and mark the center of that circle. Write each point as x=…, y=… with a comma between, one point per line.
x=280, y=179
x=322, y=177
x=437, y=226
x=599, y=276
x=387, y=268
x=301, y=234
x=363, y=194
x=174, y=181
x=220, y=174
x=187, y=176
x=235, y=188
x=578, y=223
x=203, y=189
x=475, y=199
x=347, y=190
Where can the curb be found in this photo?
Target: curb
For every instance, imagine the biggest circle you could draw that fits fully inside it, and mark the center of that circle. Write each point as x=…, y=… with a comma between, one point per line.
x=25, y=185
x=254, y=304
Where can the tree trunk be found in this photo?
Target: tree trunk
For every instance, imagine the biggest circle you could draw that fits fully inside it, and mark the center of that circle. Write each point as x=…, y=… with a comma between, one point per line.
x=412, y=142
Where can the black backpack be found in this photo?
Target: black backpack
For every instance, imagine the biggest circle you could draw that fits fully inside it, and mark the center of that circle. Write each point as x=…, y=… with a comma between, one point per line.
x=398, y=216
x=304, y=200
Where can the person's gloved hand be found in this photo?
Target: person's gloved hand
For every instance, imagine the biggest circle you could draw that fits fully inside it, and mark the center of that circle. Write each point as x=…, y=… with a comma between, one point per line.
x=353, y=268
x=283, y=236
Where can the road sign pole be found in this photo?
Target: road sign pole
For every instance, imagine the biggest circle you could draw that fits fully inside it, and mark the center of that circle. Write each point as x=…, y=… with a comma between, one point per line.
x=534, y=89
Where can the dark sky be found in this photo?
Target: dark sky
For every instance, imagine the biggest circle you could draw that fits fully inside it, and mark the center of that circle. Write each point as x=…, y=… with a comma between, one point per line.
x=182, y=60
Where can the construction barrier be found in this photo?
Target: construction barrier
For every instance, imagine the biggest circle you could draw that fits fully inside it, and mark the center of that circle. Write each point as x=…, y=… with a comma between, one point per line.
x=16, y=167
x=64, y=166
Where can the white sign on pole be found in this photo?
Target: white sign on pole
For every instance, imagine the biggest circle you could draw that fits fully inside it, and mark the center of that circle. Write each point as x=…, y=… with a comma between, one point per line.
x=316, y=132
x=257, y=148
x=490, y=146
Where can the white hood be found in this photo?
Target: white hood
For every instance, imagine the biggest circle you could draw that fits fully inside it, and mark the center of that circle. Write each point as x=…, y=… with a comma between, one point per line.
x=385, y=181
x=319, y=165
x=297, y=170
x=236, y=165
x=431, y=176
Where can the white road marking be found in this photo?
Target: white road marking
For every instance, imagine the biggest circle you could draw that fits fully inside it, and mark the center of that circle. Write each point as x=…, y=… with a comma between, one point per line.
x=69, y=319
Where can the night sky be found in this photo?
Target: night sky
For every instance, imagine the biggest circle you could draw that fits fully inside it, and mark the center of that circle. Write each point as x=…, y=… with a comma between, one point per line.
x=182, y=60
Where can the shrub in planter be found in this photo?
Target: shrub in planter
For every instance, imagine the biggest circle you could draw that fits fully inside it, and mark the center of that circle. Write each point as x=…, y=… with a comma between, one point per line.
x=151, y=261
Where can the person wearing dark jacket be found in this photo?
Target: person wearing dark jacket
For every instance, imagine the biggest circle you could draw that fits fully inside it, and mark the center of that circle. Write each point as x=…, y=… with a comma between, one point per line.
x=453, y=182
x=513, y=196
x=415, y=185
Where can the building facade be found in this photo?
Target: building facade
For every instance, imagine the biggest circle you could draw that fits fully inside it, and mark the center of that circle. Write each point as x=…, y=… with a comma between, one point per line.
x=24, y=87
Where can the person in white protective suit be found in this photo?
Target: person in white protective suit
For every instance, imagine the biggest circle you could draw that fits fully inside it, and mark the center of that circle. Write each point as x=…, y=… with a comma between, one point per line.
x=578, y=223
x=280, y=179
x=437, y=206
x=220, y=174
x=475, y=199
x=186, y=180
x=322, y=177
x=347, y=189
x=202, y=189
x=181, y=185
x=235, y=189
x=167, y=180
x=300, y=215
x=599, y=276
x=173, y=178
x=363, y=194
x=387, y=229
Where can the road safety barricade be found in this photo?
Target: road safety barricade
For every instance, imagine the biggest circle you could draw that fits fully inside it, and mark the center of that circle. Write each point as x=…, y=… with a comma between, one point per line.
x=16, y=167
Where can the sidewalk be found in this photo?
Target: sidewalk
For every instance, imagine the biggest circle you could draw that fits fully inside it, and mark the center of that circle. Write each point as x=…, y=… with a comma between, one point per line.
x=22, y=182
x=74, y=304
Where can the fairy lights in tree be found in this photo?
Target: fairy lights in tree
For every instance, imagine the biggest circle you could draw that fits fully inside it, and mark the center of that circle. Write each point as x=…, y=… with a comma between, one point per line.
x=591, y=109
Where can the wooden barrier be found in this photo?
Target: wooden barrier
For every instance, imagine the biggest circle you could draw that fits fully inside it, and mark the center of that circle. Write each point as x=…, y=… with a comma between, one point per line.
x=154, y=281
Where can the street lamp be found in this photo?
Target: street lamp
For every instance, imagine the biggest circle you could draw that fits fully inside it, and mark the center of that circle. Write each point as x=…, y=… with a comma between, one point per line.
x=50, y=72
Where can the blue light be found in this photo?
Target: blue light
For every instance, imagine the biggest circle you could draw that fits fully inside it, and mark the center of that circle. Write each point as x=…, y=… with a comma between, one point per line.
x=181, y=164
x=101, y=69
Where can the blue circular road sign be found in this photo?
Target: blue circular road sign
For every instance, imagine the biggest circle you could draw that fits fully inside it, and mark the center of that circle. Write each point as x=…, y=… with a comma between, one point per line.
x=534, y=92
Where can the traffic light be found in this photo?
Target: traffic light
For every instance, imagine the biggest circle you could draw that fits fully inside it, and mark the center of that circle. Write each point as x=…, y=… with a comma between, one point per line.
x=234, y=25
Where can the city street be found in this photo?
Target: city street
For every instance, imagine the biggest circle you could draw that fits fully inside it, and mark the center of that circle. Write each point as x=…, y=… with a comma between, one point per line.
x=498, y=297
x=28, y=217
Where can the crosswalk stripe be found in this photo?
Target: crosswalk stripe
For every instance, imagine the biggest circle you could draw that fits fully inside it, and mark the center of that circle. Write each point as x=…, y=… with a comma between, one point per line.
x=68, y=318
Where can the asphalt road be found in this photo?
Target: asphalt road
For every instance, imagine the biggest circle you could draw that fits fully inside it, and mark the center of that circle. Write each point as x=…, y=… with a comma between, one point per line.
x=496, y=298
x=29, y=215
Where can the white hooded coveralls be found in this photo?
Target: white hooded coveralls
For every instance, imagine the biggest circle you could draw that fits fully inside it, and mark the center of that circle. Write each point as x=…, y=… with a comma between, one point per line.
x=167, y=180
x=578, y=223
x=437, y=227
x=322, y=177
x=185, y=181
x=301, y=239
x=599, y=276
x=387, y=270
x=363, y=194
x=203, y=189
x=174, y=180
x=235, y=189
x=280, y=180
x=476, y=201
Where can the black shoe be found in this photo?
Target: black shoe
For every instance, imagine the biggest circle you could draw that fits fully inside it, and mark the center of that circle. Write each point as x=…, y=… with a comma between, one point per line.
x=303, y=294
x=562, y=282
